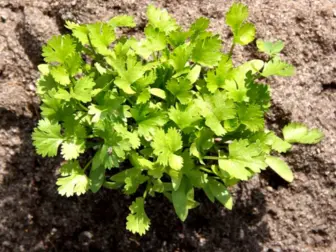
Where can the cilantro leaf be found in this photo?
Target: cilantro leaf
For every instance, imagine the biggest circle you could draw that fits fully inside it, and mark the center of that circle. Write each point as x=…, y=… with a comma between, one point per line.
x=180, y=89
x=122, y=21
x=137, y=220
x=299, y=133
x=245, y=34
x=101, y=36
x=58, y=49
x=47, y=138
x=236, y=15
x=148, y=119
x=277, y=67
x=280, y=167
x=60, y=75
x=131, y=178
x=220, y=192
x=184, y=118
x=215, y=109
x=129, y=71
x=165, y=145
x=180, y=56
x=180, y=200
x=207, y=51
x=161, y=19
x=216, y=78
x=242, y=155
x=73, y=180
x=82, y=90
x=270, y=48
x=251, y=116
x=277, y=143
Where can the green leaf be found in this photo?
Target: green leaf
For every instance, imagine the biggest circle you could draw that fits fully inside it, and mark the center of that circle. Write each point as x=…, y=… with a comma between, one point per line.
x=46, y=83
x=47, y=138
x=78, y=31
x=280, y=167
x=245, y=34
x=83, y=89
x=165, y=145
x=158, y=92
x=216, y=78
x=58, y=49
x=129, y=72
x=220, y=192
x=72, y=150
x=251, y=116
x=101, y=36
x=143, y=97
x=97, y=176
x=155, y=41
x=215, y=109
x=236, y=15
x=137, y=220
x=161, y=19
x=202, y=143
x=148, y=119
x=181, y=89
x=277, y=143
x=180, y=56
x=122, y=21
x=131, y=178
x=180, y=200
x=194, y=74
x=73, y=181
x=198, y=27
x=299, y=133
x=207, y=51
x=278, y=68
x=60, y=75
x=259, y=94
x=243, y=155
x=270, y=48
x=184, y=118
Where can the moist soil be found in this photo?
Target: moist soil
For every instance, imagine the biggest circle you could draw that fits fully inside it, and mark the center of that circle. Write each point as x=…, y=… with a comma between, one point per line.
x=268, y=215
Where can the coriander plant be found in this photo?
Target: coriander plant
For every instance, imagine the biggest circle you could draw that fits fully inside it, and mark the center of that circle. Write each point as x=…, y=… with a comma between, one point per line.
x=169, y=113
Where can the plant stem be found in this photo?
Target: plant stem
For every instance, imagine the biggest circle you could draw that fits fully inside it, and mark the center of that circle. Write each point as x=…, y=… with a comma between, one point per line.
x=207, y=170
x=82, y=106
x=231, y=49
x=213, y=158
x=88, y=164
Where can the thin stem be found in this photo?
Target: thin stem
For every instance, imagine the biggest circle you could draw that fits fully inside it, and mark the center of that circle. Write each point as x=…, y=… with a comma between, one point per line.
x=82, y=106
x=88, y=164
x=207, y=170
x=231, y=49
x=213, y=158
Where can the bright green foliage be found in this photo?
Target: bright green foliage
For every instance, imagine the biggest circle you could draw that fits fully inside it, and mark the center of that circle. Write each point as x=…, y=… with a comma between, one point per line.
x=277, y=67
x=280, y=167
x=270, y=48
x=47, y=138
x=73, y=180
x=243, y=32
x=137, y=220
x=169, y=113
x=299, y=133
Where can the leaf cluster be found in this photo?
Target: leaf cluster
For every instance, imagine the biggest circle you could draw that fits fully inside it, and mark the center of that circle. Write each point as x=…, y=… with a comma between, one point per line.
x=168, y=113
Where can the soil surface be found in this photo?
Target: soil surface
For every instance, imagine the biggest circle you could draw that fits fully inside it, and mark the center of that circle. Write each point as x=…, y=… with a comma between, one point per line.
x=269, y=214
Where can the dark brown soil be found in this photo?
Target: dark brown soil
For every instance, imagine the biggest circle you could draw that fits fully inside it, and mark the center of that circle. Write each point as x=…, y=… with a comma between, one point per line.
x=269, y=215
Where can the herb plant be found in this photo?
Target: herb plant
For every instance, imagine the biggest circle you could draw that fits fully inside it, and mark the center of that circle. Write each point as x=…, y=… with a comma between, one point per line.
x=169, y=113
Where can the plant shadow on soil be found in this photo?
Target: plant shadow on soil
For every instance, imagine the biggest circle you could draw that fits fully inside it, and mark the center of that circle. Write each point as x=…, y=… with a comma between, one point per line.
x=36, y=218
